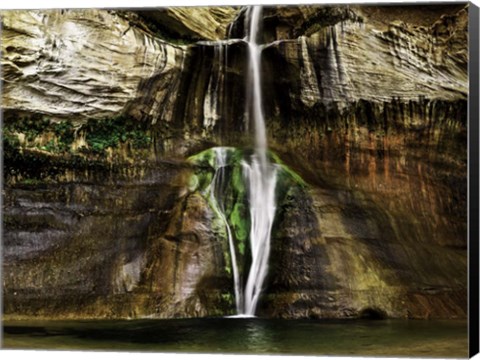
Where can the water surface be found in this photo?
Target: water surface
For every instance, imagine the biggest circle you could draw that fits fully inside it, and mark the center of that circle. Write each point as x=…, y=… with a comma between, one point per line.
x=422, y=338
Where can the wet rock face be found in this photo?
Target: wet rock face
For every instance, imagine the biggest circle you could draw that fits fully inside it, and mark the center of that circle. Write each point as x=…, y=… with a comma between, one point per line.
x=133, y=247
x=340, y=252
x=351, y=61
x=372, y=115
x=388, y=167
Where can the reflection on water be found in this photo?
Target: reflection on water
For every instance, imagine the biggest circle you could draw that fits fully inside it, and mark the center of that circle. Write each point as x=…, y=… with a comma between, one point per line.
x=260, y=338
x=247, y=335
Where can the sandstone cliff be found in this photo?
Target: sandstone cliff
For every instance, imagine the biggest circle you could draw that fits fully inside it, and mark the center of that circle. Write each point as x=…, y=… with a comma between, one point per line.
x=79, y=64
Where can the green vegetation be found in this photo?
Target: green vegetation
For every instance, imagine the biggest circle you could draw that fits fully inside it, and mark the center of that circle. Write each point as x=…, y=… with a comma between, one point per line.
x=234, y=195
x=206, y=158
x=235, y=202
x=287, y=174
x=34, y=147
x=109, y=133
x=29, y=181
x=65, y=133
x=31, y=126
x=240, y=226
x=36, y=126
x=59, y=136
x=10, y=143
x=239, y=216
x=228, y=298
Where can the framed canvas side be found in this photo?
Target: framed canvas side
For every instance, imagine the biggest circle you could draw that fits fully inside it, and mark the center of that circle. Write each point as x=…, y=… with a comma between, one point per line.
x=473, y=182
x=473, y=179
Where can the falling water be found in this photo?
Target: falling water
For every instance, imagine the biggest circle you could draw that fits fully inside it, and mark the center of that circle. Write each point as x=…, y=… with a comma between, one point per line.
x=260, y=176
x=219, y=185
x=211, y=107
x=260, y=179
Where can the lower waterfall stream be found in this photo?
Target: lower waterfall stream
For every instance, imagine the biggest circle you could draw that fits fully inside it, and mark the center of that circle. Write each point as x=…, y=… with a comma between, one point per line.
x=218, y=188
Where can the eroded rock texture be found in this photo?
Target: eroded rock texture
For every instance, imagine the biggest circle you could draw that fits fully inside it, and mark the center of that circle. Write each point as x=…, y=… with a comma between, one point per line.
x=79, y=64
x=195, y=23
x=136, y=244
x=370, y=113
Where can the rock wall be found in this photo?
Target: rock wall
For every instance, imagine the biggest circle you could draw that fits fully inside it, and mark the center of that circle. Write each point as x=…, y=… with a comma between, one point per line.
x=376, y=244
x=375, y=121
x=190, y=23
x=102, y=243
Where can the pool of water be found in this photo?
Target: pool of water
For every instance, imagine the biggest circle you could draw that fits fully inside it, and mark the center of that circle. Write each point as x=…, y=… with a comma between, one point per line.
x=421, y=338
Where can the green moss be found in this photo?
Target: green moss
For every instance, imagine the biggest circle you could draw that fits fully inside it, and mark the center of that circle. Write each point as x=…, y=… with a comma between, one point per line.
x=100, y=133
x=201, y=181
x=193, y=183
x=234, y=200
x=227, y=298
x=237, y=178
x=205, y=180
x=65, y=133
x=205, y=158
x=287, y=174
x=30, y=181
x=32, y=126
x=110, y=132
x=240, y=225
x=238, y=218
x=235, y=196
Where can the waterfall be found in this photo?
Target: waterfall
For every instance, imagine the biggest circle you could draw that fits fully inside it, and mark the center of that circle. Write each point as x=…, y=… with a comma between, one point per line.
x=218, y=189
x=211, y=108
x=260, y=176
